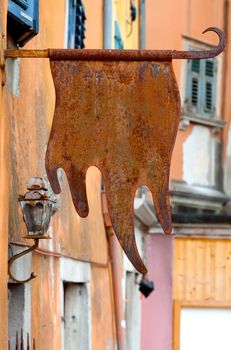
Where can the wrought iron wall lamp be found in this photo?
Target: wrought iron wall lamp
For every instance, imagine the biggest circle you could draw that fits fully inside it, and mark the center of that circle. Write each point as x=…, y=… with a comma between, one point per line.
x=37, y=208
x=118, y=110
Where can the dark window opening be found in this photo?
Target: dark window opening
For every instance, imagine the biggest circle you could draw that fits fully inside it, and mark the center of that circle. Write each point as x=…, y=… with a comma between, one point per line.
x=194, y=92
x=209, y=68
x=209, y=96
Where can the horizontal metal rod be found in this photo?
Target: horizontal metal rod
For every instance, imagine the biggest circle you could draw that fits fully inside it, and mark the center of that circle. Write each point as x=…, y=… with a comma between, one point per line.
x=26, y=53
x=120, y=55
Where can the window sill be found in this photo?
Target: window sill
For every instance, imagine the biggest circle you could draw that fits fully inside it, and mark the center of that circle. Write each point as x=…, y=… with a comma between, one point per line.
x=198, y=197
x=186, y=119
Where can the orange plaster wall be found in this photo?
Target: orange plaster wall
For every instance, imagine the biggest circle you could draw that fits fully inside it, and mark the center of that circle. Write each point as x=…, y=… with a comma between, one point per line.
x=45, y=305
x=30, y=116
x=94, y=24
x=103, y=335
x=176, y=170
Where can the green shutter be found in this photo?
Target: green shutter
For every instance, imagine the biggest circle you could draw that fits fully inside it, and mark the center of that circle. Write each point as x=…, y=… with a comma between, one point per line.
x=210, y=78
x=201, y=87
x=193, y=85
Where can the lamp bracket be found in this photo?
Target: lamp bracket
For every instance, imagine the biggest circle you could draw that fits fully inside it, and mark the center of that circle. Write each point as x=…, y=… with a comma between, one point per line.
x=17, y=256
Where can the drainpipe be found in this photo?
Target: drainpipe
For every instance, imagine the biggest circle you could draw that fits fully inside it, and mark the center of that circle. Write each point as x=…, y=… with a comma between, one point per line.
x=117, y=275
x=142, y=24
x=108, y=20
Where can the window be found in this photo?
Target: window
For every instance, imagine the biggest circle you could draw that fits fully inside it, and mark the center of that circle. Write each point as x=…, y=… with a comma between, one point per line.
x=76, y=322
x=75, y=304
x=76, y=25
x=205, y=328
x=201, y=84
x=118, y=42
x=19, y=311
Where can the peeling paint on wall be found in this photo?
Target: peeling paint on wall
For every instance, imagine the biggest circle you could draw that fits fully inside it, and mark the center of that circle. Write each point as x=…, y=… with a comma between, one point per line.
x=13, y=75
x=197, y=157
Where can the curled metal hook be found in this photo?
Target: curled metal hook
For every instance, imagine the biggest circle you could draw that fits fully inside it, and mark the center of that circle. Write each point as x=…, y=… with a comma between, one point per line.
x=11, y=260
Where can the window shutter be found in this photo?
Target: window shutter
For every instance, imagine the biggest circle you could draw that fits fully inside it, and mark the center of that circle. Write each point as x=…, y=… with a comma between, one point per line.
x=76, y=25
x=193, y=93
x=209, y=87
x=201, y=87
x=80, y=26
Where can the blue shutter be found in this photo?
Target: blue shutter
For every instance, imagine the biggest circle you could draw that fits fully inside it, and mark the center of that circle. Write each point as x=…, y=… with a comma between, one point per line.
x=76, y=25
x=71, y=24
x=118, y=42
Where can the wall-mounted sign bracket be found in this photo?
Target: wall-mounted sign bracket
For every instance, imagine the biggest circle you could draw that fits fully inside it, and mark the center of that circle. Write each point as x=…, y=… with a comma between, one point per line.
x=117, y=55
x=121, y=117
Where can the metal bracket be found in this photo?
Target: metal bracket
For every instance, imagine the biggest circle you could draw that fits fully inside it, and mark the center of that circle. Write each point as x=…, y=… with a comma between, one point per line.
x=11, y=260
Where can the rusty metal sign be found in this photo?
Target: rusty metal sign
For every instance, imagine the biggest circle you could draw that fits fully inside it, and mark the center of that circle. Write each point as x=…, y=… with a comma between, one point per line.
x=118, y=111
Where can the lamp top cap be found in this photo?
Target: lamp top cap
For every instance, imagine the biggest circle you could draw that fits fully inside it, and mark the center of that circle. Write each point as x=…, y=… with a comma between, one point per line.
x=36, y=183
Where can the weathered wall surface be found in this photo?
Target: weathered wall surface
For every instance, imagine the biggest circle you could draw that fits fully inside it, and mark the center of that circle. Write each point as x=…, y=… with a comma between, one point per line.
x=45, y=303
x=29, y=101
x=197, y=160
x=103, y=322
x=4, y=189
x=30, y=112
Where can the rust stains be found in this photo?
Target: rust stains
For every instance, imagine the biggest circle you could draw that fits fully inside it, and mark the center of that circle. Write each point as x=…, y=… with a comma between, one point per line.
x=118, y=111
x=127, y=130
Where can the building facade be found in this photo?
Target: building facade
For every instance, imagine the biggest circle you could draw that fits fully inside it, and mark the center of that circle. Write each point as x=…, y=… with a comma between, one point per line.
x=71, y=304
x=200, y=173
x=86, y=294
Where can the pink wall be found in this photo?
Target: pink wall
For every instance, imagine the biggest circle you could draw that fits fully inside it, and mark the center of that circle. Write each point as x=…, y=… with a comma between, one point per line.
x=157, y=309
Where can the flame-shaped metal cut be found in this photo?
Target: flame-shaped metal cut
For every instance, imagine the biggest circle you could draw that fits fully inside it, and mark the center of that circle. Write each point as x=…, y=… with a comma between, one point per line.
x=120, y=115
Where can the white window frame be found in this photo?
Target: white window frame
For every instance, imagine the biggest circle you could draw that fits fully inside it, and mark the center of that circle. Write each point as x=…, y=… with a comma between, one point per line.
x=187, y=116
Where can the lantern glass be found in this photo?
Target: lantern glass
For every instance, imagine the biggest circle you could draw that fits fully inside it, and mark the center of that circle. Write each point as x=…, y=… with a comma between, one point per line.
x=37, y=215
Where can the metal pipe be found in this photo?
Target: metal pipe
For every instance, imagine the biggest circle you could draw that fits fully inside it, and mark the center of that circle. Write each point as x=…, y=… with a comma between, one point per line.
x=108, y=20
x=121, y=55
x=117, y=274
